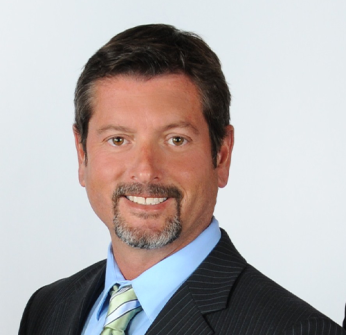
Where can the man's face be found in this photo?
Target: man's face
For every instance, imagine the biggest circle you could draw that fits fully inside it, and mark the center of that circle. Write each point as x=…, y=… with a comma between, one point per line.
x=149, y=173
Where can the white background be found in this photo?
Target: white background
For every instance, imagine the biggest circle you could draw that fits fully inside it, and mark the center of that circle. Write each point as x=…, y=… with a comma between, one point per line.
x=284, y=207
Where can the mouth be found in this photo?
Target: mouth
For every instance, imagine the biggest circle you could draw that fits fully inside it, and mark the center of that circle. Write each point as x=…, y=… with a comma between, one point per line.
x=146, y=201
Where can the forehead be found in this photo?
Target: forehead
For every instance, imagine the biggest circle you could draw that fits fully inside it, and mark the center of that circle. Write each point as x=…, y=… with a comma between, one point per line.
x=161, y=96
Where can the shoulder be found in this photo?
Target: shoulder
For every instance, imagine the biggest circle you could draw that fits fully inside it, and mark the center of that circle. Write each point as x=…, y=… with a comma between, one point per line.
x=73, y=282
x=268, y=296
x=38, y=311
x=259, y=305
x=251, y=303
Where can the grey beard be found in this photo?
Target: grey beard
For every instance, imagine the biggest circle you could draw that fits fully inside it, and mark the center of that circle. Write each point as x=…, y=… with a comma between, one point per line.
x=135, y=237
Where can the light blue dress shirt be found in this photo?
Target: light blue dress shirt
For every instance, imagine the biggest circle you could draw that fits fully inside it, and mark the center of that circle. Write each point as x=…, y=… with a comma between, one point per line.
x=155, y=286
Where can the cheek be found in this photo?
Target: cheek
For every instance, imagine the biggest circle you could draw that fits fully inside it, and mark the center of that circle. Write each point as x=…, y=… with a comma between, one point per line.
x=103, y=208
x=100, y=200
x=100, y=183
x=200, y=187
x=102, y=170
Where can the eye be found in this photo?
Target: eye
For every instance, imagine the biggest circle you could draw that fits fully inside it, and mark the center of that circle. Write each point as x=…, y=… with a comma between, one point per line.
x=117, y=141
x=177, y=141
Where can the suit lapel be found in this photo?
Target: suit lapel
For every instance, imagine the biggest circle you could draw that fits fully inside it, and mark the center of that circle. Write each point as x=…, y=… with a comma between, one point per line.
x=87, y=294
x=180, y=316
x=76, y=302
x=206, y=291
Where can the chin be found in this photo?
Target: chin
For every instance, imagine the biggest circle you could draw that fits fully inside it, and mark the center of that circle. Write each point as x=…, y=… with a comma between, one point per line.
x=140, y=238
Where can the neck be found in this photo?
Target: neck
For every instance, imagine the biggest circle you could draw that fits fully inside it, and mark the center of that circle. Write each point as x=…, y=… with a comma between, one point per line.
x=132, y=262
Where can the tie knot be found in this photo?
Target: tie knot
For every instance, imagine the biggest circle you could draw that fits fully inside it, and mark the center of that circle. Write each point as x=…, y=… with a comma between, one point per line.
x=123, y=306
x=126, y=292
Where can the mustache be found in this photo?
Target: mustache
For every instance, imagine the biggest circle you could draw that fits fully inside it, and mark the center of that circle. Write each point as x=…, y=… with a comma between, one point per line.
x=154, y=190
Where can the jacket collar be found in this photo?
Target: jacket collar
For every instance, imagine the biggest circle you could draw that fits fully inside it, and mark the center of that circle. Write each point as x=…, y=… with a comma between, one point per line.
x=206, y=291
x=77, y=309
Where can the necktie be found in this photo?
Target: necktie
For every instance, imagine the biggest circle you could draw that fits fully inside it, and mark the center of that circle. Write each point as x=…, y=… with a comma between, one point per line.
x=123, y=306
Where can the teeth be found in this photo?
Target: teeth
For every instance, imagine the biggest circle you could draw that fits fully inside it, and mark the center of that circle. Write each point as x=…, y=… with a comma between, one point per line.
x=146, y=201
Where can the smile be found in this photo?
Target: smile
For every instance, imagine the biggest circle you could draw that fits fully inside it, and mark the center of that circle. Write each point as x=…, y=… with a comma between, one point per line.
x=146, y=201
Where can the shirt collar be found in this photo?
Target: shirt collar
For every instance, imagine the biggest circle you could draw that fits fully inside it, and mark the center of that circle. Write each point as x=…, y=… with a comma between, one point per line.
x=113, y=276
x=155, y=286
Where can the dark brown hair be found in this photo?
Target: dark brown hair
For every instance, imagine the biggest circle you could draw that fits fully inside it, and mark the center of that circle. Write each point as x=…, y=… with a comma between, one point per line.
x=157, y=49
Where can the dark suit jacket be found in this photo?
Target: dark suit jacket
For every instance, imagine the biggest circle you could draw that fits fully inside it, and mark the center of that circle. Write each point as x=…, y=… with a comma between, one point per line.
x=225, y=295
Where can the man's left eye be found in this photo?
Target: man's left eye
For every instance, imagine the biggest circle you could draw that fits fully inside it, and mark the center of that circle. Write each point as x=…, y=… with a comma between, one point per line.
x=117, y=141
x=177, y=140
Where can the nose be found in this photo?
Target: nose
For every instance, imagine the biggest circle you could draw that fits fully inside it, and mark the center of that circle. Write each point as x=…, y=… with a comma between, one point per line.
x=146, y=166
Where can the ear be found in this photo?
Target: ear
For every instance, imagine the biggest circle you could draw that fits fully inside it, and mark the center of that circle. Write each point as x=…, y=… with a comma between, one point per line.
x=224, y=157
x=81, y=156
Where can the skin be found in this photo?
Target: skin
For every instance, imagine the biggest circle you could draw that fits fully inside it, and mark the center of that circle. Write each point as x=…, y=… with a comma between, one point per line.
x=151, y=131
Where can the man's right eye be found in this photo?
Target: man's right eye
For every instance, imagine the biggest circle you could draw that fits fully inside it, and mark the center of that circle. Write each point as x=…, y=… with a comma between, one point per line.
x=117, y=141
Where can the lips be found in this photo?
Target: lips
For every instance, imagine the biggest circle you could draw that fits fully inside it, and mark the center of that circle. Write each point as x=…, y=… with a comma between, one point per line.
x=146, y=201
x=154, y=195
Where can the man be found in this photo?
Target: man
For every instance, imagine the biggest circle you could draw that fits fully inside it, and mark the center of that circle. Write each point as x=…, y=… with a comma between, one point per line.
x=154, y=144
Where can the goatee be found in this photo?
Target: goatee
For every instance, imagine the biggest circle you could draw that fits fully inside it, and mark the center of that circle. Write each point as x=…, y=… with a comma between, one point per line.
x=137, y=237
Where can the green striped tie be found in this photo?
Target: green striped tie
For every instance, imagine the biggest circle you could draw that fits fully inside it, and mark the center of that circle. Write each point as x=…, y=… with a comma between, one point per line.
x=123, y=306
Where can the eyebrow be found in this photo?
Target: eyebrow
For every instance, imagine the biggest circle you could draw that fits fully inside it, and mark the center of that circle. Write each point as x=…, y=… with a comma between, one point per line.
x=181, y=124
x=114, y=127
